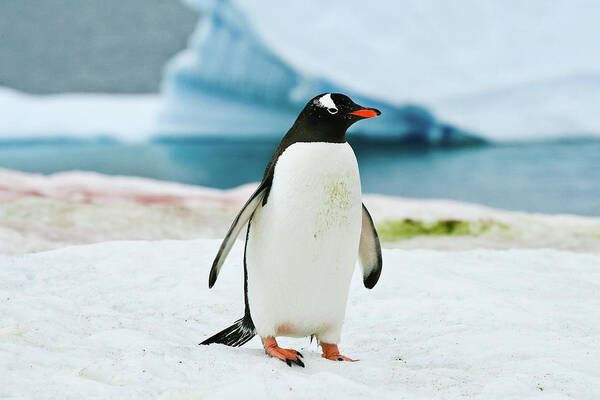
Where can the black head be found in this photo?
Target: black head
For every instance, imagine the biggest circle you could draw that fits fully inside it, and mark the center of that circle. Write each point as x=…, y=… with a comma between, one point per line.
x=326, y=117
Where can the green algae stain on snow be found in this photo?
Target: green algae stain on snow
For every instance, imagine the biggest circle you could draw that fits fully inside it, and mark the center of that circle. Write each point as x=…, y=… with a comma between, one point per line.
x=408, y=228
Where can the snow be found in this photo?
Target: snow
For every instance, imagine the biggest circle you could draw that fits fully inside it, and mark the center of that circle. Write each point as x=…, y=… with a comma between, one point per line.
x=83, y=186
x=77, y=115
x=123, y=319
x=39, y=212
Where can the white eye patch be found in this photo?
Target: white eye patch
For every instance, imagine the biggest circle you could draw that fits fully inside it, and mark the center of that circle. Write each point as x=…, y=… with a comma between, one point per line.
x=327, y=102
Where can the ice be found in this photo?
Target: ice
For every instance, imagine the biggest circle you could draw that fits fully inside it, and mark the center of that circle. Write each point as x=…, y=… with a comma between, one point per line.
x=510, y=71
x=124, y=319
x=77, y=116
x=441, y=72
x=139, y=118
x=231, y=81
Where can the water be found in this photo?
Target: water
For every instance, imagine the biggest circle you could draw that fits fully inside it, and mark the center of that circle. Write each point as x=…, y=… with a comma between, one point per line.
x=552, y=177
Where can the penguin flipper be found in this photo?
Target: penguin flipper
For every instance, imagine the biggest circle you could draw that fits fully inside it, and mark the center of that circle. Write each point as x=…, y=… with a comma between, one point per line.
x=369, y=251
x=238, y=223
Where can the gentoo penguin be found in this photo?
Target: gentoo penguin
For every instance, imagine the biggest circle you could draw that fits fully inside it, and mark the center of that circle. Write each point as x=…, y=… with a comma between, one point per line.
x=306, y=227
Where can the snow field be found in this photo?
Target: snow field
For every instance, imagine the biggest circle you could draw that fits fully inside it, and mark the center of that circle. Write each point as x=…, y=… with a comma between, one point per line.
x=124, y=319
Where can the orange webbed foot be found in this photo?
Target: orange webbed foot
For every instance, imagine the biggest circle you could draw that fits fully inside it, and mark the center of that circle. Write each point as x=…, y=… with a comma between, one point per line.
x=289, y=356
x=331, y=352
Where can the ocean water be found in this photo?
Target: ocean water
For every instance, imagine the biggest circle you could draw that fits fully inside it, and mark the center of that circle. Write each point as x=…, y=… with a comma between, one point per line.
x=547, y=177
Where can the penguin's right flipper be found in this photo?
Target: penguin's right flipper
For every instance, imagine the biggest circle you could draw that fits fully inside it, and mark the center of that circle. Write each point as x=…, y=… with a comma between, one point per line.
x=238, y=223
x=369, y=251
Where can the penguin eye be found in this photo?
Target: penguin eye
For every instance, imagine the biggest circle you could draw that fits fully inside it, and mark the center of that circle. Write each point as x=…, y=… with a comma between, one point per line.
x=332, y=110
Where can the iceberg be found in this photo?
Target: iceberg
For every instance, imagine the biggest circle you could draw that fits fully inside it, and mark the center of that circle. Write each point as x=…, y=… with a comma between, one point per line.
x=77, y=116
x=519, y=71
x=441, y=72
x=229, y=81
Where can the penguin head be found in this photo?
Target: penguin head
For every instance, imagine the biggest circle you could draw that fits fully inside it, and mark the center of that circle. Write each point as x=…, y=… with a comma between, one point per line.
x=329, y=115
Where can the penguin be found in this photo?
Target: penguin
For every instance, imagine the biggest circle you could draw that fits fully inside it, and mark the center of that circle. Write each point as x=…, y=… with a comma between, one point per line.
x=306, y=227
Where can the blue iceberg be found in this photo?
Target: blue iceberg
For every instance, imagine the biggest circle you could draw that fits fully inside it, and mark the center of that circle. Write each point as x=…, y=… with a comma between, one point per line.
x=230, y=83
x=524, y=72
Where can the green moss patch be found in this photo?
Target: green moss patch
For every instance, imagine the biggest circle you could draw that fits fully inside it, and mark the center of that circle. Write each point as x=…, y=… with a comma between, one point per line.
x=409, y=228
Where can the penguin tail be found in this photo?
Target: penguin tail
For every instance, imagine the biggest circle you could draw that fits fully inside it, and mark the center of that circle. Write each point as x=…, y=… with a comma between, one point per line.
x=235, y=335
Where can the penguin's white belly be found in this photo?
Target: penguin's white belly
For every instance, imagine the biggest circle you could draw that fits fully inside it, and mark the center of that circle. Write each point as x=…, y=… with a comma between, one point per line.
x=303, y=244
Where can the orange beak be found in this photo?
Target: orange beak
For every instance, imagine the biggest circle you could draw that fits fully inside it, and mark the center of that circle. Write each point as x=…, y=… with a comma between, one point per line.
x=366, y=113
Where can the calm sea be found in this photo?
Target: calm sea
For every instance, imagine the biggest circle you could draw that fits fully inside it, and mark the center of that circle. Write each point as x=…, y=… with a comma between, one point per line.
x=548, y=177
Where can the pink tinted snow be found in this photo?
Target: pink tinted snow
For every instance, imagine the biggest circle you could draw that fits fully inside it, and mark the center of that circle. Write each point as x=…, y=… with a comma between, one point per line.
x=88, y=187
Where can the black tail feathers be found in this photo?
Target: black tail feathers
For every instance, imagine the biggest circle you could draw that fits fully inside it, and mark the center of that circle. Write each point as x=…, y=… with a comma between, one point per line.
x=236, y=335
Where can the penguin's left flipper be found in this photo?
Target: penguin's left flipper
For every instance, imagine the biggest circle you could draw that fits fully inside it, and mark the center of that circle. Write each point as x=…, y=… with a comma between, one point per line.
x=369, y=251
x=238, y=223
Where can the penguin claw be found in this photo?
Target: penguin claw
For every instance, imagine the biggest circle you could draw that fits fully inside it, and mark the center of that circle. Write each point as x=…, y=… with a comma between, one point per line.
x=331, y=352
x=289, y=356
x=338, y=357
x=297, y=361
